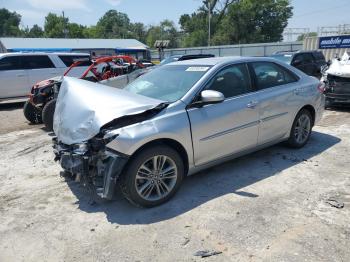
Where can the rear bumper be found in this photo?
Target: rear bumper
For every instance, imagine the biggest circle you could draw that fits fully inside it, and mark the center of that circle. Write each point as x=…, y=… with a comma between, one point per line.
x=333, y=98
x=100, y=170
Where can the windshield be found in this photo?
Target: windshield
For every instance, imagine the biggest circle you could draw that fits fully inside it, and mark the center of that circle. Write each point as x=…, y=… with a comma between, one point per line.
x=284, y=58
x=168, y=83
x=169, y=60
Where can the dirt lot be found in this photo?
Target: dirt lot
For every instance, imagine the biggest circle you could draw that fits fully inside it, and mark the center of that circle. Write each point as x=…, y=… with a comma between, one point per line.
x=268, y=206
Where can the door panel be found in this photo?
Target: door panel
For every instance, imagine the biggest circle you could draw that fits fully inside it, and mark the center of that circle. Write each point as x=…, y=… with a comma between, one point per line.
x=231, y=126
x=40, y=67
x=14, y=83
x=277, y=101
x=276, y=105
x=14, y=80
x=222, y=129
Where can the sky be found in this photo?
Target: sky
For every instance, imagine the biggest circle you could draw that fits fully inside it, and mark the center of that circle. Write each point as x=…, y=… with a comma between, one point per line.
x=307, y=13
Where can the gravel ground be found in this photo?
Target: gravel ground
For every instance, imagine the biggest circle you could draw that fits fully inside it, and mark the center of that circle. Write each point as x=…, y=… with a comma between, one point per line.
x=268, y=206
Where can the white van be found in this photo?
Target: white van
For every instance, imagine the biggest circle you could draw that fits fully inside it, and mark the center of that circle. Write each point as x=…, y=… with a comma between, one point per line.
x=20, y=71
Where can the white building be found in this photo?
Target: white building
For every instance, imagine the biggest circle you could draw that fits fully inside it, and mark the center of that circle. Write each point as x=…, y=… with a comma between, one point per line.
x=94, y=46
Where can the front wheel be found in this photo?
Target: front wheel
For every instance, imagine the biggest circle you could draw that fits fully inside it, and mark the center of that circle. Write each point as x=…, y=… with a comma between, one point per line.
x=153, y=176
x=32, y=113
x=48, y=113
x=301, y=129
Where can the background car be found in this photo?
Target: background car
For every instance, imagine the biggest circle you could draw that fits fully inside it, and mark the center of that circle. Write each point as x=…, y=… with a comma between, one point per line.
x=178, y=119
x=309, y=62
x=20, y=71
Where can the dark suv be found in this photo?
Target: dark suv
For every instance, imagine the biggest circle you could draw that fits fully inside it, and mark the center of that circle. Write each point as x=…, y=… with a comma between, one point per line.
x=310, y=62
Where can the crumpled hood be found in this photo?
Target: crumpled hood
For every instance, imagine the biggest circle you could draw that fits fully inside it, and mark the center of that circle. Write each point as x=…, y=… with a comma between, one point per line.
x=83, y=107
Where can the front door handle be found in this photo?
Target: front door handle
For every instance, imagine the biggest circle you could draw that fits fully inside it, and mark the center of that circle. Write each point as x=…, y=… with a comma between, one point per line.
x=20, y=75
x=252, y=104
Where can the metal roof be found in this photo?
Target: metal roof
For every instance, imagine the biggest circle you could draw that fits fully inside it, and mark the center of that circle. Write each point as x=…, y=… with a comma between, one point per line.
x=68, y=44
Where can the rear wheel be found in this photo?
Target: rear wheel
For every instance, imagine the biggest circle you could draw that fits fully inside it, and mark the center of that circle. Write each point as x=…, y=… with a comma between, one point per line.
x=153, y=176
x=32, y=113
x=48, y=113
x=301, y=129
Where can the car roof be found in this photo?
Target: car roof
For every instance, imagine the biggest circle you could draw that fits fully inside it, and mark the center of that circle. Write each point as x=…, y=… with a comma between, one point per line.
x=221, y=60
x=42, y=53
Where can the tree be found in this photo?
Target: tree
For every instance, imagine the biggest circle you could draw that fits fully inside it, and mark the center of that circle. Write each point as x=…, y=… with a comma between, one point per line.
x=9, y=23
x=236, y=21
x=55, y=26
x=35, y=31
x=302, y=36
x=114, y=24
x=254, y=21
x=76, y=31
x=166, y=30
x=139, y=32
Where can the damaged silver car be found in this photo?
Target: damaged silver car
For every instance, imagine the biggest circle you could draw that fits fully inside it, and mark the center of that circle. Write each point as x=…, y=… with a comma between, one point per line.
x=178, y=119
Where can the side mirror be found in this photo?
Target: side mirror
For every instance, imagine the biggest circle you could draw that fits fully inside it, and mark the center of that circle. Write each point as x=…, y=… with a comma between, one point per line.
x=208, y=97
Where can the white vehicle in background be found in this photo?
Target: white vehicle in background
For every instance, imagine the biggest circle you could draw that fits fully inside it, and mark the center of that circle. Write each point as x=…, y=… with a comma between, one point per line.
x=20, y=71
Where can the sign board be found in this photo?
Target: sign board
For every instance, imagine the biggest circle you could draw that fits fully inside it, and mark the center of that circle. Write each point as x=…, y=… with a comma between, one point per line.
x=342, y=41
x=161, y=43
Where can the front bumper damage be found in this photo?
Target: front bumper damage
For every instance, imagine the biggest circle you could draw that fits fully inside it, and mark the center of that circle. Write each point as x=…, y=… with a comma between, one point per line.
x=99, y=169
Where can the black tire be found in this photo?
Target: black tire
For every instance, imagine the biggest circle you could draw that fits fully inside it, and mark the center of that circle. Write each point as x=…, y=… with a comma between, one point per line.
x=48, y=112
x=293, y=141
x=32, y=113
x=128, y=178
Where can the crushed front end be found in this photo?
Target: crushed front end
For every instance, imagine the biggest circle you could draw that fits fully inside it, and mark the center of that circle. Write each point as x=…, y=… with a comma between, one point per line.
x=92, y=164
x=337, y=90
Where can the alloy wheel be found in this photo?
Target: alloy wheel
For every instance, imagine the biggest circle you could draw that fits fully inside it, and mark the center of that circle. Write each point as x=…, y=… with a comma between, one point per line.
x=302, y=129
x=156, y=178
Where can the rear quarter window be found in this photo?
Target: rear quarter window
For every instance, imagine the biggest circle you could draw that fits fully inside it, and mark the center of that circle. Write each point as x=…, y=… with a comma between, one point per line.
x=68, y=60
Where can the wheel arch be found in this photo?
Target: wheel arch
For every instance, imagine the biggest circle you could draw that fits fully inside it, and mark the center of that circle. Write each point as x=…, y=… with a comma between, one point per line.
x=312, y=111
x=171, y=143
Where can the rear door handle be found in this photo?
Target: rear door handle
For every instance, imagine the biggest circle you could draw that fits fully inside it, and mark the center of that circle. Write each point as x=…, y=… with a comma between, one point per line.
x=20, y=75
x=252, y=104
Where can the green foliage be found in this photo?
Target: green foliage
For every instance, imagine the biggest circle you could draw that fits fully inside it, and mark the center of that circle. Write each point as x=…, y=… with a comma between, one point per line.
x=302, y=36
x=9, y=23
x=232, y=22
x=166, y=30
x=254, y=21
x=55, y=26
x=113, y=24
x=244, y=21
x=35, y=31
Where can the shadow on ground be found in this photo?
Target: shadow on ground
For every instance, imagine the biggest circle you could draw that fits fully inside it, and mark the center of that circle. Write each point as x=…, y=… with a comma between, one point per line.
x=228, y=178
x=11, y=106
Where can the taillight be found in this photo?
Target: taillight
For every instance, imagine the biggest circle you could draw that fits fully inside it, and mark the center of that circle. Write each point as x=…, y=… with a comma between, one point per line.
x=321, y=87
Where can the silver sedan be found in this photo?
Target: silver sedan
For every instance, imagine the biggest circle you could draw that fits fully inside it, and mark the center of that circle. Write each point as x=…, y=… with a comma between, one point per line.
x=178, y=119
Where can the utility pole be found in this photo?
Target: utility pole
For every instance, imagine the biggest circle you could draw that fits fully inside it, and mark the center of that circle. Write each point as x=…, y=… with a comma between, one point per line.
x=64, y=26
x=209, y=24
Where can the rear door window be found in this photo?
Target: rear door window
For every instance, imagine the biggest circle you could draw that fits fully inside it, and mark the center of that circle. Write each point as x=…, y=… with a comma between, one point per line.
x=37, y=62
x=270, y=74
x=10, y=63
x=68, y=60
